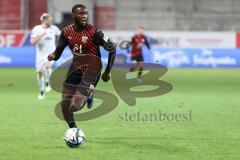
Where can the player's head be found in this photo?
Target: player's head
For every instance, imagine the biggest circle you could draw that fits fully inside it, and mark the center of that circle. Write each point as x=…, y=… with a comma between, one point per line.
x=46, y=19
x=80, y=14
x=140, y=30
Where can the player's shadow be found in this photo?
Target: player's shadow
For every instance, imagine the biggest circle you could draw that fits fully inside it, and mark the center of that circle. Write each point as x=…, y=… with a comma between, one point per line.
x=138, y=143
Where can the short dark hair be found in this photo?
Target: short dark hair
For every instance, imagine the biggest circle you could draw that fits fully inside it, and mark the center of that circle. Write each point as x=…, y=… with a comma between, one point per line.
x=78, y=6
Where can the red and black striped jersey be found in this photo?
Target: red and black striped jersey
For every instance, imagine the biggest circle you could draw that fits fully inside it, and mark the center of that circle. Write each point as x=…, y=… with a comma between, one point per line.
x=85, y=51
x=85, y=46
x=137, y=43
x=81, y=42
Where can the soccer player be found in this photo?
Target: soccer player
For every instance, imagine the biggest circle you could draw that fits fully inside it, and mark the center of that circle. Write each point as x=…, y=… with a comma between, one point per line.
x=84, y=41
x=43, y=36
x=138, y=41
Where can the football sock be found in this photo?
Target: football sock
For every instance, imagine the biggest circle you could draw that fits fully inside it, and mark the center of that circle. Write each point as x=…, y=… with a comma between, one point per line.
x=72, y=125
x=42, y=92
x=41, y=82
x=48, y=72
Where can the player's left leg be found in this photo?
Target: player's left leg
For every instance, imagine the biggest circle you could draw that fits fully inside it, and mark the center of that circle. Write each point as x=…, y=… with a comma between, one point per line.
x=90, y=99
x=87, y=86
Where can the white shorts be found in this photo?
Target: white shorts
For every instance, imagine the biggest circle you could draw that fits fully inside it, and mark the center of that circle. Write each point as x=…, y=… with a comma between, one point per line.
x=40, y=63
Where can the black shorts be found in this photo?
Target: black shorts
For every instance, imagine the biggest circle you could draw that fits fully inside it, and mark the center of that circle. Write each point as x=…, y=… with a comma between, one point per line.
x=138, y=58
x=81, y=81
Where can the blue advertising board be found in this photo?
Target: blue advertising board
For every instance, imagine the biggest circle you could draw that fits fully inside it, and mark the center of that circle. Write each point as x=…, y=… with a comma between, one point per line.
x=169, y=57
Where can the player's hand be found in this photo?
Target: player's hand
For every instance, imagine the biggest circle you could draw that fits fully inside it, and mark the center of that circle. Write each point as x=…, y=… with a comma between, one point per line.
x=51, y=56
x=42, y=35
x=105, y=76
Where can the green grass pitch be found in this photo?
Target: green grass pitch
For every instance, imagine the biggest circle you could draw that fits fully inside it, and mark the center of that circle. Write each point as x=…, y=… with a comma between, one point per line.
x=29, y=129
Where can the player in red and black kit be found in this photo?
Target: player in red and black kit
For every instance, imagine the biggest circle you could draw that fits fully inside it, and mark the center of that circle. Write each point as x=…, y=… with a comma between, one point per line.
x=84, y=41
x=138, y=41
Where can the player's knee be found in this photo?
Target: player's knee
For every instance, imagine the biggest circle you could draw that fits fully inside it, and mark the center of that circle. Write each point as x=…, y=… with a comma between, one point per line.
x=40, y=74
x=140, y=64
x=78, y=102
x=47, y=65
x=68, y=92
x=67, y=96
x=131, y=69
x=65, y=104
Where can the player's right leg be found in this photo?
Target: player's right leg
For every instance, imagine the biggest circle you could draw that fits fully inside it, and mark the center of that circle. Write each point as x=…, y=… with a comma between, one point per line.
x=140, y=63
x=140, y=70
x=47, y=71
x=73, y=100
x=132, y=68
x=67, y=95
x=40, y=76
x=41, y=83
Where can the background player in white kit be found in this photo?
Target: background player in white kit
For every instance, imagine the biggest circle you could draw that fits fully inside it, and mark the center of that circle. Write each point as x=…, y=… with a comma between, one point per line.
x=44, y=37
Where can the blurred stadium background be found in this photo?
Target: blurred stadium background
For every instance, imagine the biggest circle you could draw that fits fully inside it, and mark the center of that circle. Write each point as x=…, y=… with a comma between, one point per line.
x=180, y=15
x=183, y=33
x=196, y=39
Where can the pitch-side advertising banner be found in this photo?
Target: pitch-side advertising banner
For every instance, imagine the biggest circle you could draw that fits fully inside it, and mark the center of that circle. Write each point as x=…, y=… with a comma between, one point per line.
x=182, y=39
x=172, y=49
x=157, y=39
x=171, y=58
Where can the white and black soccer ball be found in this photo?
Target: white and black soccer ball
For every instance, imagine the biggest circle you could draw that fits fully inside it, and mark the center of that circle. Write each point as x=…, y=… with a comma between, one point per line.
x=74, y=137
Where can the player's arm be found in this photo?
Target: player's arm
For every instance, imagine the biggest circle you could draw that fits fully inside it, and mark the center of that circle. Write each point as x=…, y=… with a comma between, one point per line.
x=36, y=38
x=147, y=43
x=62, y=43
x=129, y=44
x=103, y=41
x=57, y=33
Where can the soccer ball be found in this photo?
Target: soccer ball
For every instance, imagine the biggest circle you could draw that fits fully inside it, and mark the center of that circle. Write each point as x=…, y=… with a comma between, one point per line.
x=74, y=137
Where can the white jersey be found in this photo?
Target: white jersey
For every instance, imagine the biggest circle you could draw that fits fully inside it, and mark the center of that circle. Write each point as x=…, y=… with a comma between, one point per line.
x=48, y=42
x=46, y=45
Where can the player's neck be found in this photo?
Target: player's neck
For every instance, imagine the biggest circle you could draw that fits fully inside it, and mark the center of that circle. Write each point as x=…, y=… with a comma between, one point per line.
x=45, y=26
x=79, y=27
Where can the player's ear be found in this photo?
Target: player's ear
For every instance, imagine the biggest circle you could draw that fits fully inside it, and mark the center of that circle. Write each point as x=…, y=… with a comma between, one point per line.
x=73, y=14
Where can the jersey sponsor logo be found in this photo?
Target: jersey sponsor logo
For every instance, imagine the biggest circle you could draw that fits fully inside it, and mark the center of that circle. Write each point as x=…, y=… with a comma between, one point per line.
x=84, y=39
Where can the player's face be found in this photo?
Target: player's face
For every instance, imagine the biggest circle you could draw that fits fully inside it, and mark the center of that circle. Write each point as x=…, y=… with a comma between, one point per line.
x=80, y=15
x=48, y=22
x=140, y=31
